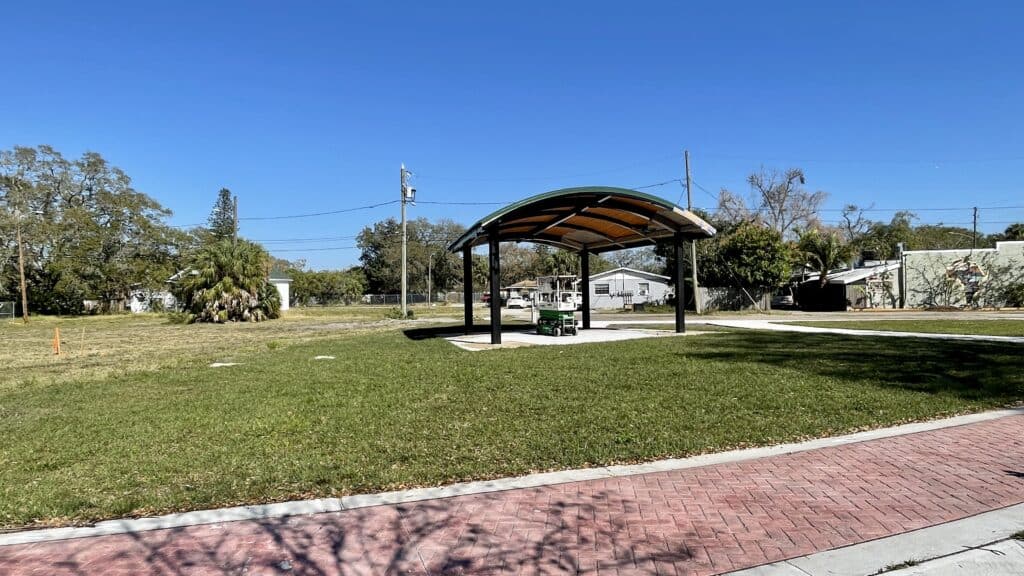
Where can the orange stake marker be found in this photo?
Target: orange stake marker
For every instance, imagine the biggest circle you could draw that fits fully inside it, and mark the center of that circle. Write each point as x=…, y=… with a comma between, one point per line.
x=56, y=341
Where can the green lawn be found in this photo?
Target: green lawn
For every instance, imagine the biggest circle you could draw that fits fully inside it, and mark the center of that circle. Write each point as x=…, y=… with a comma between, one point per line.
x=980, y=327
x=392, y=411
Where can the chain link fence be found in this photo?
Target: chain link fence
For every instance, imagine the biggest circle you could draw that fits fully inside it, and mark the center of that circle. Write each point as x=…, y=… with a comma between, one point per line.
x=439, y=298
x=6, y=310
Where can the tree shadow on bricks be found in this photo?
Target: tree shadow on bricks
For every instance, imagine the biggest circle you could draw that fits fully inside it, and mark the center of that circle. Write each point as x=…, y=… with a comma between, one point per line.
x=972, y=370
x=480, y=534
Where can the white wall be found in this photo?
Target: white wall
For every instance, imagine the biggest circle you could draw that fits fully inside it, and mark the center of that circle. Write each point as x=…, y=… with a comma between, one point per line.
x=283, y=288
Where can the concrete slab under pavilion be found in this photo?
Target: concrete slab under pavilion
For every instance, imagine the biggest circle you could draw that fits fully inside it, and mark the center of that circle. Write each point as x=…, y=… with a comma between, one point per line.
x=587, y=220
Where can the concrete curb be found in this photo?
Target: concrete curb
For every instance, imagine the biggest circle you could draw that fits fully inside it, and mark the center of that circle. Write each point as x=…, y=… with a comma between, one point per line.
x=944, y=541
x=303, y=507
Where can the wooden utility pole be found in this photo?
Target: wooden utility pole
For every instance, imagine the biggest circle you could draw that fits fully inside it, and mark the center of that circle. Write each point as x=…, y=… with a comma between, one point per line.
x=974, y=237
x=693, y=242
x=21, y=272
x=234, y=220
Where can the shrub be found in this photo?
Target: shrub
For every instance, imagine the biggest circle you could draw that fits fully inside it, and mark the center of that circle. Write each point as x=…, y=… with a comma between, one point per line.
x=1013, y=295
x=395, y=313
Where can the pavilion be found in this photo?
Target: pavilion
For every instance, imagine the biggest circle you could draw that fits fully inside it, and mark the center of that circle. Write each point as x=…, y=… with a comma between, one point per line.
x=587, y=220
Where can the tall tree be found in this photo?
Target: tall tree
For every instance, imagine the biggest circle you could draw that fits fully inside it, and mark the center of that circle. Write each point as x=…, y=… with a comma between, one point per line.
x=222, y=223
x=381, y=256
x=89, y=233
x=778, y=199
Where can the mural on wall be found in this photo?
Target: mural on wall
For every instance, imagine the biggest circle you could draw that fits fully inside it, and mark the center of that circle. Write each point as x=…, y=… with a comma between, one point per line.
x=983, y=278
x=970, y=276
x=878, y=291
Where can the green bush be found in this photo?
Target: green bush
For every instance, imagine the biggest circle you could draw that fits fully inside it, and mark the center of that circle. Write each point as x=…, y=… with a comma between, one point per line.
x=395, y=313
x=179, y=317
x=1013, y=295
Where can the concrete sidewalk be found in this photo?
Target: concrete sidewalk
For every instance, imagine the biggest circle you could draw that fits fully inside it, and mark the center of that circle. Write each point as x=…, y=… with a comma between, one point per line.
x=680, y=517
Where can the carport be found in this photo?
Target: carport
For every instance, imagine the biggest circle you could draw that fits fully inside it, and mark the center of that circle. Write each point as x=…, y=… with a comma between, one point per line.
x=587, y=220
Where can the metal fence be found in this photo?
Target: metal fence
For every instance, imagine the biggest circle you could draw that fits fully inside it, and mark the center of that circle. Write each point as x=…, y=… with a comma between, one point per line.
x=439, y=298
x=6, y=309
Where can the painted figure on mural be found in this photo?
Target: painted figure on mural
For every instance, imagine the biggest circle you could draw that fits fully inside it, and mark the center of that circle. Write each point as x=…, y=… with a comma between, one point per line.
x=970, y=275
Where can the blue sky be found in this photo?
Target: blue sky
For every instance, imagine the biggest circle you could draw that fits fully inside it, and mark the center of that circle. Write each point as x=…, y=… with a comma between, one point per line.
x=304, y=107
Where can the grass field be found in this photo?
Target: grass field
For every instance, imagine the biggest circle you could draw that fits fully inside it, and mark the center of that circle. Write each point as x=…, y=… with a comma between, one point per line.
x=980, y=327
x=87, y=437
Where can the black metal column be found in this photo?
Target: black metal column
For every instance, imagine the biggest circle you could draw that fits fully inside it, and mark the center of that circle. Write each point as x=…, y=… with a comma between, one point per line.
x=467, y=286
x=494, y=258
x=585, y=286
x=680, y=287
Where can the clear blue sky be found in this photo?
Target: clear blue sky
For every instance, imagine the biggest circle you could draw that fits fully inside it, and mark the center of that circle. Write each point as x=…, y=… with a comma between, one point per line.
x=304, y=107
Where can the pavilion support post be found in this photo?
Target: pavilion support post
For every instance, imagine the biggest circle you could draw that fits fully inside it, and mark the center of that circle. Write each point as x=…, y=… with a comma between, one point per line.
x=467, y=287
x=677, y=246
x=585, y=286
x=494, y=257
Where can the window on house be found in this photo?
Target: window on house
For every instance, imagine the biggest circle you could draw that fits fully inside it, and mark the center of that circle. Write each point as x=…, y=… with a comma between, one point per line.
x=601, y=289
x=644, y=288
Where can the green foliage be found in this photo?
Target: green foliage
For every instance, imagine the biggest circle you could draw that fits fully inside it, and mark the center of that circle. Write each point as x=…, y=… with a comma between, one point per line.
x=756, y=257
x=87, y=233
x=325, y=287
x=227, y=282
x=822, y=251
x=222, y=219
x=427, y=255
x=747, y=255
x=1013, y=295
x=395, y=313
x=178, y=317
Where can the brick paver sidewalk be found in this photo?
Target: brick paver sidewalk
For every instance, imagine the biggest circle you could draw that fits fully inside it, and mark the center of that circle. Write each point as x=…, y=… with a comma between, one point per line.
x=701, y=520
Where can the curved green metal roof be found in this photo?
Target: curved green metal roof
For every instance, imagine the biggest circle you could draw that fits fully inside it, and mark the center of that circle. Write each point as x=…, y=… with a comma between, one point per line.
x=594, y=218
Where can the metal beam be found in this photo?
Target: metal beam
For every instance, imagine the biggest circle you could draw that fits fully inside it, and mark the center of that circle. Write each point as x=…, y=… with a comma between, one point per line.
x=467, y=287
x=585, y=286
x=494, y=260
x=677, y=247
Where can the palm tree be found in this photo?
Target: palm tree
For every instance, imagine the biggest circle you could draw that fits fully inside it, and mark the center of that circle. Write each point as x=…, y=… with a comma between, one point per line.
x=228, y=282
x=823, y=251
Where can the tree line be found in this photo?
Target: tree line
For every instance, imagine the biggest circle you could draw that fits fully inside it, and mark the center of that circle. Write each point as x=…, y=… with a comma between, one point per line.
x=88, y=235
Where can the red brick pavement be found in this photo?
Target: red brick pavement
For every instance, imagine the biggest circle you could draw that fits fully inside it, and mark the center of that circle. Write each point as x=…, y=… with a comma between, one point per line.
x=697, y=521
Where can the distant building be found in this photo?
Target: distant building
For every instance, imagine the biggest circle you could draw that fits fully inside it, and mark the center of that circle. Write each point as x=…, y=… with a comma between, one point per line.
x=624, y=287
x=283, y=283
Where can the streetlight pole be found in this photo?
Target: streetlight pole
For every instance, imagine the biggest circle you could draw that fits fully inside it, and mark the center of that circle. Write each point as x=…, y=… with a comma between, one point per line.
x=408, y=195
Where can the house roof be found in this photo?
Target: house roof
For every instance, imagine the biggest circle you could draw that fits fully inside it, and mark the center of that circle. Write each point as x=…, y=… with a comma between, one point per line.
x=633, y=271
x=593, y=218
x=856, y=274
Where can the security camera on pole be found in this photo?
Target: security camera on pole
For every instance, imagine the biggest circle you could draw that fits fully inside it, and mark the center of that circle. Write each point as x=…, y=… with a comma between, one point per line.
x=408, y=195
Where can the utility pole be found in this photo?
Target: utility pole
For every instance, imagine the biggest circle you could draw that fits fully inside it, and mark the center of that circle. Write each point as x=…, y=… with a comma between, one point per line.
x=234, y=220
x=693, y=242
x=408, y=195
x=21, y=272
x=974, y=237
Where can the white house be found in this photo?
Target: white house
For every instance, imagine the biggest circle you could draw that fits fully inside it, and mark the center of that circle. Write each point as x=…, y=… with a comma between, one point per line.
x=623, y=287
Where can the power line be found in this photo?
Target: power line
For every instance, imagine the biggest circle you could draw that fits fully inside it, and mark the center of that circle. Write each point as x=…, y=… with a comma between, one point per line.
x=324, y=249
x=319, y=239
x=325, y=213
